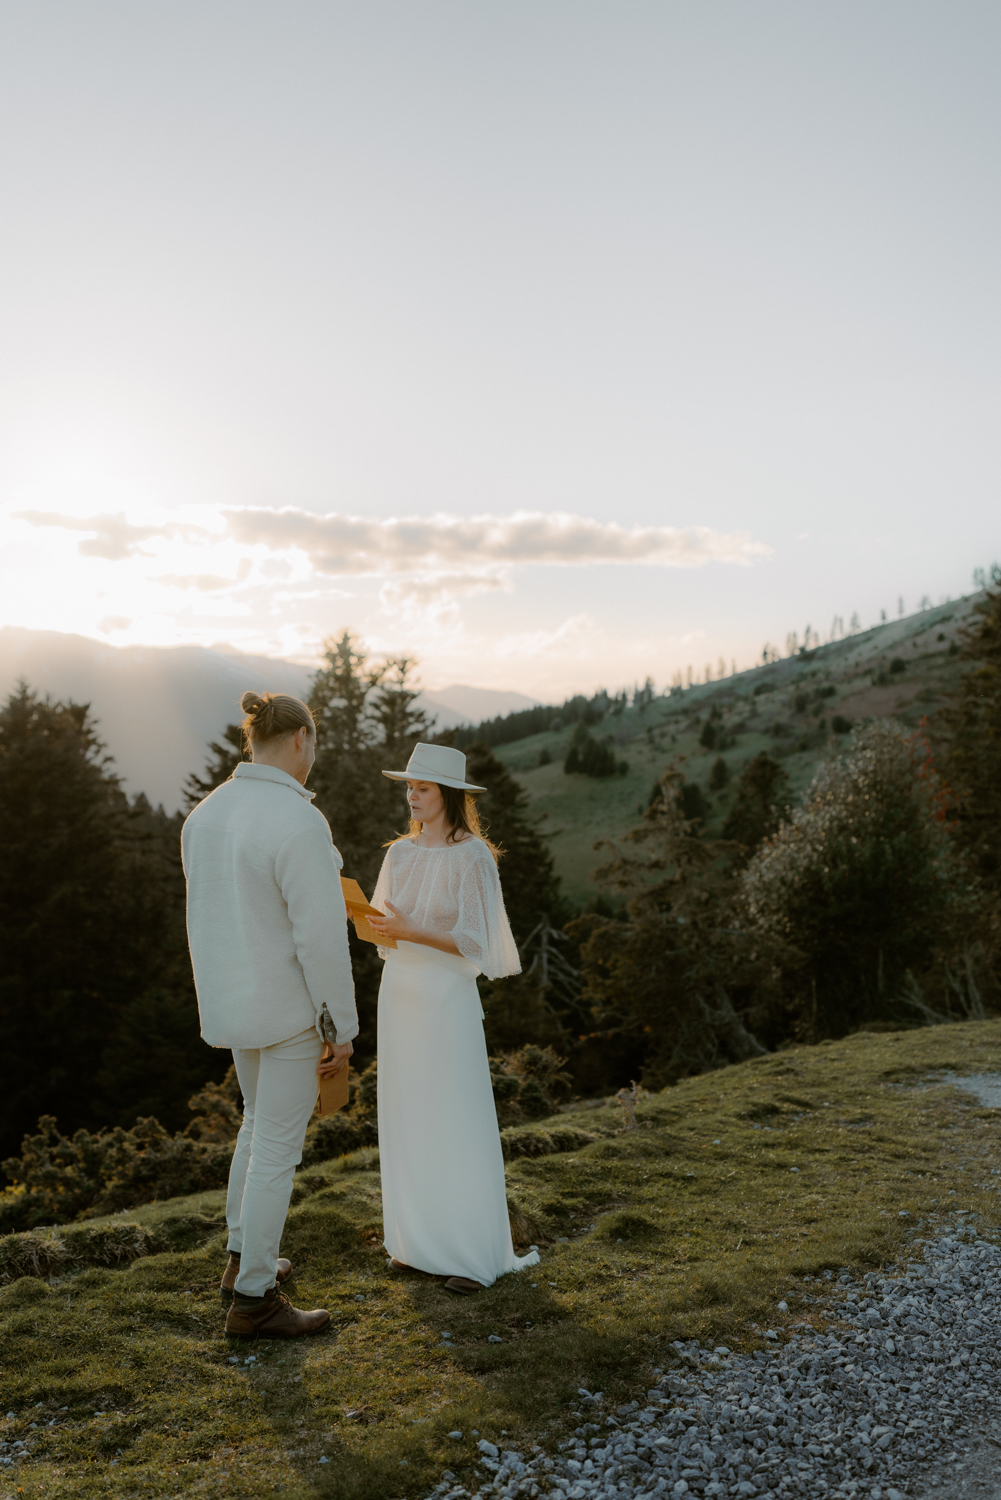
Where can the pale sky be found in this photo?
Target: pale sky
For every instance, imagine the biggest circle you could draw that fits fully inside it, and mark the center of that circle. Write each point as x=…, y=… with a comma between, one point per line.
x=553, y=343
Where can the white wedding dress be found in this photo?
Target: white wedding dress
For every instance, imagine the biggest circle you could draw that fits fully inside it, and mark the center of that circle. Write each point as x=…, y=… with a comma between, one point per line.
x=444, y=1204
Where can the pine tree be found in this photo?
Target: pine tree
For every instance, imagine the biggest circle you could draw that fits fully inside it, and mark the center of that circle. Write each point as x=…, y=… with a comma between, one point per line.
x=365, y=724
x=226, y=758
x=667, y=979
x=973, y=724
x=96, y=998
x=760, y=801
x=537, y=1005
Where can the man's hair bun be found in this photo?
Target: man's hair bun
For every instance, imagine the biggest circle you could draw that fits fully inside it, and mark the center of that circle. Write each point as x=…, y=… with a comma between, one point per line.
x=271, y=716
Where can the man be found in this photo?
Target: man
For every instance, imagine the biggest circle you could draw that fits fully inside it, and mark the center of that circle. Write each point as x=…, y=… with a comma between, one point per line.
x=267, y=929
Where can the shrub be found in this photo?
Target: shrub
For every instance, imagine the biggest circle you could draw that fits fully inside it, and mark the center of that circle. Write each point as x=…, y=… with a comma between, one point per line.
x=590, y=757
x=528, y=1142
x=528, y=1084
x=759, y=803
x=57, y=1179
x=862, y=880
x=691, y=803
x=545, y=756
x=841, y=725
x=719, y=776
x=898, y=664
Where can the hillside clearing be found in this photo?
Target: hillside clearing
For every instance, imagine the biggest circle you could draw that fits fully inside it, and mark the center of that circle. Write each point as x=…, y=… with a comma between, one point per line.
x=737, y=1185
x=758, y=710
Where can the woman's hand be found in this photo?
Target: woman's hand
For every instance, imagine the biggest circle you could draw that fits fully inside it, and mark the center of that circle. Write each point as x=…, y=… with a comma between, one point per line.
x=397, y=926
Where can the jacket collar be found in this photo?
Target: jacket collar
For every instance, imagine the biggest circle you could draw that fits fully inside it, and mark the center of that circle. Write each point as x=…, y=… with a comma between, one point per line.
x=256, y=772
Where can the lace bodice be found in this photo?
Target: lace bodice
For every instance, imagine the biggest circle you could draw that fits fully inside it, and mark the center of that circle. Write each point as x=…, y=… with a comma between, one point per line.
x=455, y=889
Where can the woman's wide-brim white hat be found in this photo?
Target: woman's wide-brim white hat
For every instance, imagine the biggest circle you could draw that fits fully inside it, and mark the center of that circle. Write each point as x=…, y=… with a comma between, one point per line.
x=438, y=763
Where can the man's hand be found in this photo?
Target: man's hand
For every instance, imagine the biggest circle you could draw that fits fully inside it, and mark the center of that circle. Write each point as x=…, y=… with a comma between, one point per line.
x=335, y=1057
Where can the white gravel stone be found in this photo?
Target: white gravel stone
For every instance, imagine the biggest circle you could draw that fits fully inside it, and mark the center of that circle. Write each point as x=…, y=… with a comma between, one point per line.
x=885, y=1403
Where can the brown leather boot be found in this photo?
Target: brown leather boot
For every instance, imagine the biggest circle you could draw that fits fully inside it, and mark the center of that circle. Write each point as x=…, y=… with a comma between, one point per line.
x=273, y=1317
x=227, y=1286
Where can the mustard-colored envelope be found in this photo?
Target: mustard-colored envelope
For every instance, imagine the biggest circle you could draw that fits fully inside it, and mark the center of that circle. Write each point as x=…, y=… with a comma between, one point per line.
x=333, y=1092
x=358, y=908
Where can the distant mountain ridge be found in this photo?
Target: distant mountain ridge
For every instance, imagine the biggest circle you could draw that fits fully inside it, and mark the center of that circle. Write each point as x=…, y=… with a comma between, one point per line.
x=158, y=707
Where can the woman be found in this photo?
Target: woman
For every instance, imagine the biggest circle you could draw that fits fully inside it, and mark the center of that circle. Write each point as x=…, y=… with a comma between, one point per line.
x=443, y=1196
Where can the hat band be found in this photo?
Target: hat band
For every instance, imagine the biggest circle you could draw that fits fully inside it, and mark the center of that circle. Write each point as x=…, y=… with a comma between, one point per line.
x=421, y=771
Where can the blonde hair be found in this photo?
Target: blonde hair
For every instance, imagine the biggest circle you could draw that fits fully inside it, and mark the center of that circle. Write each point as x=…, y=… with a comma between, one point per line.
x=271, y=716
x=461, y=816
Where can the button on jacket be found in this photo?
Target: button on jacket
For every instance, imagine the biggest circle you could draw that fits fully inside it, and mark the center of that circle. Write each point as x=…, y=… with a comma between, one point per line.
x=267, y=925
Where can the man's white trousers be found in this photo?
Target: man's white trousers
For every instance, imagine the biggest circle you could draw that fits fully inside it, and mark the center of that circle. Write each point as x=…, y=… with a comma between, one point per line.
x=279, y=1087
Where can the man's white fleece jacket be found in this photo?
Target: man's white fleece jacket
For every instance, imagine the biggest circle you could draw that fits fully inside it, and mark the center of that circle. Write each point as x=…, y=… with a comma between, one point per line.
x=267, y=925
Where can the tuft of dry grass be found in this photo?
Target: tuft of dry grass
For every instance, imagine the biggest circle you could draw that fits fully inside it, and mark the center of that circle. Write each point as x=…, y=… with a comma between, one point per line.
x=736, y=1186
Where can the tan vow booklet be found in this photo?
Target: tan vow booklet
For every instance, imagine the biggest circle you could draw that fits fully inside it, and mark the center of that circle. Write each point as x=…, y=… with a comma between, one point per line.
x=333, y=1093
x=358, y=908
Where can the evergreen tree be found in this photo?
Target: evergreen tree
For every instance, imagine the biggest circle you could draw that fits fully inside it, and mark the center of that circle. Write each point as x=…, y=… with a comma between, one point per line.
x=669, y=979
x=536, y=1005
x=91, y=926
x=225, y=759
x=760, y=801
x=531, y=885
x=365, y=723
x=691, y=802
x=973, y=724
x=864, y=881
x=590, y=757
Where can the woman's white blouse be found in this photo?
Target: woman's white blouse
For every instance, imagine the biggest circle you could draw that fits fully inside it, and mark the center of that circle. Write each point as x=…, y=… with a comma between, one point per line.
x=455, y=891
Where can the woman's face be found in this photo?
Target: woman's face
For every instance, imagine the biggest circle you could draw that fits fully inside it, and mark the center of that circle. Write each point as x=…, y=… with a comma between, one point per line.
x=425, y=801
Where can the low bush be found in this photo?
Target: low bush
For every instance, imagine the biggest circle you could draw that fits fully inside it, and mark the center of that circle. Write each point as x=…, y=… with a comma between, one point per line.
x=58, y=1179
x=528, y=1142
x=528, y=1084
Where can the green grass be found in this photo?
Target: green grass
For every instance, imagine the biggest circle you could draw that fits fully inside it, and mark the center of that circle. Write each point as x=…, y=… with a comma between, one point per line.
x=693, y=1225
x=573, y=812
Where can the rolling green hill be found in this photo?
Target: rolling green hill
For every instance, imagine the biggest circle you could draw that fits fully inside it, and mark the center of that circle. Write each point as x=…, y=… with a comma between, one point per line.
x=902, y=669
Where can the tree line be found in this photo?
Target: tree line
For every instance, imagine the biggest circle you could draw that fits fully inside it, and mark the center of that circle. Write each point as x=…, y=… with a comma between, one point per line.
x=875, y=902
x=97, y=1002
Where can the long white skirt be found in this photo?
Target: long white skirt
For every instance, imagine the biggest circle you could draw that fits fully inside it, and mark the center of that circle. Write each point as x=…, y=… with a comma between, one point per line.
x=444, y=1205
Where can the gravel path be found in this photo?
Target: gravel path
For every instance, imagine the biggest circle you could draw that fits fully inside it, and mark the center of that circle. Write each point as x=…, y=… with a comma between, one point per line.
x=901, y=1397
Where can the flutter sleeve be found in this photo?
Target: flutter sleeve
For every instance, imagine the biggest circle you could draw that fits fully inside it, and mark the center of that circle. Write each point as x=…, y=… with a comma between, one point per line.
x=483, y=933
x=384, y=892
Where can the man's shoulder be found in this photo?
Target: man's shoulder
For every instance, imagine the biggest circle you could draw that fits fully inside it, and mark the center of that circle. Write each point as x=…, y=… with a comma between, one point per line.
x=266, y=810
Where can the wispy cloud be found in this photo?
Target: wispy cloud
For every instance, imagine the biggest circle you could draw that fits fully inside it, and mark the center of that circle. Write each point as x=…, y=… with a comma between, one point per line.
x=205, y=583
x=114, y=538
x=440, y=544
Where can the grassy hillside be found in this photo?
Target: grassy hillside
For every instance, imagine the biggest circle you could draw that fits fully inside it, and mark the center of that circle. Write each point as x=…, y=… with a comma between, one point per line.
x=774, y=708
x=736, y=1187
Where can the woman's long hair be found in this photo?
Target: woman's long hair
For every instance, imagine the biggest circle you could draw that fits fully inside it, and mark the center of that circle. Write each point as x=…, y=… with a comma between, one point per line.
x=460, y=815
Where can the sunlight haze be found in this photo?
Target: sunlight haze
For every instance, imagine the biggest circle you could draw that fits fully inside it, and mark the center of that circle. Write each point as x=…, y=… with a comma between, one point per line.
x=555, y=344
